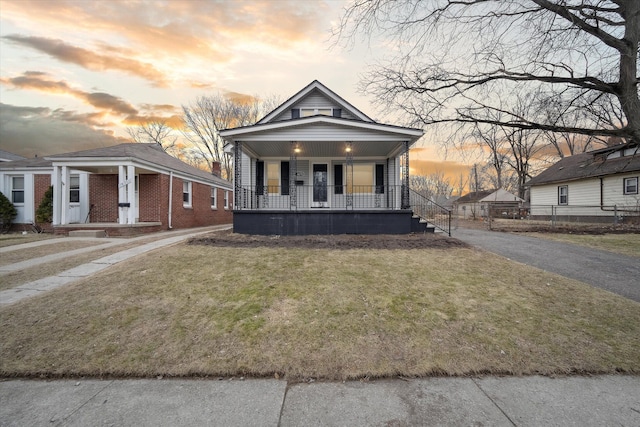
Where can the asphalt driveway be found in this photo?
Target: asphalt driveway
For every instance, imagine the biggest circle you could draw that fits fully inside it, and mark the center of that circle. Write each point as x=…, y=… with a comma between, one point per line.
x=616, y=273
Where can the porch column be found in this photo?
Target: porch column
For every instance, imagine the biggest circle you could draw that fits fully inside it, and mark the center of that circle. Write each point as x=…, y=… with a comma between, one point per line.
x=293, y=172
x=56, y=181
x=237, y=175
x=349, y=175
x=131, y=194
x=405, y=203
x=122, y=194
x=64, y=189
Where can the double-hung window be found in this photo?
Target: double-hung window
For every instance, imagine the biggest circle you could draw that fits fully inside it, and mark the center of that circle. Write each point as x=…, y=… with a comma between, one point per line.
x=214, y=198
x=631, y=185
x=74, y=189
x=226, y=199
x=17, y=189
x=563, y=195
x=186, y=193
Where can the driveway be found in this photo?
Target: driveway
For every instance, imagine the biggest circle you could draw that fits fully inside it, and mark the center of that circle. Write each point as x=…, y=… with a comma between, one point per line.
x=619, y=274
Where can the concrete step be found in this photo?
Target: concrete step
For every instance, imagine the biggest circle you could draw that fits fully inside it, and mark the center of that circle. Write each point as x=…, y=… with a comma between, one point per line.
x=88, y=233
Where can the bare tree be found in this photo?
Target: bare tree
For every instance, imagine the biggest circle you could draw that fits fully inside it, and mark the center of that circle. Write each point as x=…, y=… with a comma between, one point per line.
x=453, y=56
x=207, y=115
x=433, y=185
x=155, y=131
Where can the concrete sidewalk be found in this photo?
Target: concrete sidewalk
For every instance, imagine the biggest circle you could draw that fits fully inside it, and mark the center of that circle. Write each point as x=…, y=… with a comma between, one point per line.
x=507, y=401
x=36, y=287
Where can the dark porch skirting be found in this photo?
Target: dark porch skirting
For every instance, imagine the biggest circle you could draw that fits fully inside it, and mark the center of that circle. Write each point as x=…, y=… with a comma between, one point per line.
x=291, y=223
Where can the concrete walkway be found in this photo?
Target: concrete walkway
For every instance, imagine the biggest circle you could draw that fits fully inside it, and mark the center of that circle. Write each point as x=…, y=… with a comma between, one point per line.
x=526, y=401
x=36, y=287
x=616, y=273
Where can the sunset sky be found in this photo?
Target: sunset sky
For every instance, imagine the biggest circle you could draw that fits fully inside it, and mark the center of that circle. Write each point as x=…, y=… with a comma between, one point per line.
x=75, y=74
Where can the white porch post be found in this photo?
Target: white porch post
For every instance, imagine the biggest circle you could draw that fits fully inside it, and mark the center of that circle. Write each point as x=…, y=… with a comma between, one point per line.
x=122, y=194
x=56, y=181
x=64, y=193
x=131, y=194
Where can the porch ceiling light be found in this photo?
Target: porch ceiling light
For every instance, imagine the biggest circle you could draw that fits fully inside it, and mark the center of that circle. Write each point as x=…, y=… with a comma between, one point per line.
x=348, y=148
x=297, y=149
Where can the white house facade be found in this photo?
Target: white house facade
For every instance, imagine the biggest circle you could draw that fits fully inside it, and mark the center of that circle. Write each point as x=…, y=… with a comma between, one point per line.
x=601, y=183
x=318, y=165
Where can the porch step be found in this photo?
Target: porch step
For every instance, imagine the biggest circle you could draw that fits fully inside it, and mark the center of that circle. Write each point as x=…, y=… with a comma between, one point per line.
x=419, y=225
x=87, y=233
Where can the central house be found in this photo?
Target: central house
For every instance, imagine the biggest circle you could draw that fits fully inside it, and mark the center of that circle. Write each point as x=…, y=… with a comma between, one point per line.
x=318, y=165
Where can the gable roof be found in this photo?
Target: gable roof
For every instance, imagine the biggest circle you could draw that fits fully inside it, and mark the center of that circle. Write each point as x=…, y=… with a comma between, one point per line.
x=22, y=164
x=314, y=85
x=7, y=156
x=474, y=196
x=588, y=165
x=151, y=154
x=501, y=195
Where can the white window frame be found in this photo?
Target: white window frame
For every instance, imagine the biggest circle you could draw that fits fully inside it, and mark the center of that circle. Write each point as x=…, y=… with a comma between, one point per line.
x=561, y=195
x=627, y=181
x=308, y=112
x=214, y=198
x=226, y=199
x=14, y=189
x=74, y=187
x=187, y=193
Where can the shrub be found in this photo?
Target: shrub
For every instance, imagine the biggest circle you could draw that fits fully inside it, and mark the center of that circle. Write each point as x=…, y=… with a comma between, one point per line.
x=44, y=213
x=7, y=213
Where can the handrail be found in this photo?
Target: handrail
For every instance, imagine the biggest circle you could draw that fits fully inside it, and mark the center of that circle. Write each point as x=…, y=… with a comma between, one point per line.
x=430, y=211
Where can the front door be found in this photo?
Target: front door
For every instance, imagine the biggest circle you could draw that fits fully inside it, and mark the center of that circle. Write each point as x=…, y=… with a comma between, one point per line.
x=320, y=186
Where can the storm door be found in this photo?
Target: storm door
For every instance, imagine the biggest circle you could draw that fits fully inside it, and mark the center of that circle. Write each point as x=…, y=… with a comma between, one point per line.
x=320, y=185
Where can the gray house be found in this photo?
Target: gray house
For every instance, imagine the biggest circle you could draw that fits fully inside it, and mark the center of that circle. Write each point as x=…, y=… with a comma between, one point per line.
x=318, y=165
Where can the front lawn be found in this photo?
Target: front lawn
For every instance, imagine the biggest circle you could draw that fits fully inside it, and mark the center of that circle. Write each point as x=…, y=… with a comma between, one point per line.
x=320, y=313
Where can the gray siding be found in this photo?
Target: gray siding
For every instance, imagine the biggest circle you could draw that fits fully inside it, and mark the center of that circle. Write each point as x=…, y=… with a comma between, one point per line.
x=315, y=99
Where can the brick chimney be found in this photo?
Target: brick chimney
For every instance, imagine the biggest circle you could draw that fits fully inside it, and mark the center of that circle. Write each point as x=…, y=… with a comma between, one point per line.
x=216, y=169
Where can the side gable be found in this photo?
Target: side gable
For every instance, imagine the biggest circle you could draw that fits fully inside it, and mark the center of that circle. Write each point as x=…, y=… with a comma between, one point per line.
x=315, y=99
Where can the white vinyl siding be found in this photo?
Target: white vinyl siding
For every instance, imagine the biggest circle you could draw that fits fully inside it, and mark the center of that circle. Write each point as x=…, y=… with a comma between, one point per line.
x=584, y=193
x=325, y=132
x=314, y=100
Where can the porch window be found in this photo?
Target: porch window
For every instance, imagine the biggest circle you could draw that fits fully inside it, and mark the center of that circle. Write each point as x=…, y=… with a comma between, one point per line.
x=362, y=180
x=631, y=185
x=186, y=193
x=273, y=177
x=563, y=195
x=214, y=199
x=17, y=189
x=277, y=176
x=74, y=189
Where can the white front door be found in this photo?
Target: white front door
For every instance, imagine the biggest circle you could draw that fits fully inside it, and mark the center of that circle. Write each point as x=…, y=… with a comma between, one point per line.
x=74, y=211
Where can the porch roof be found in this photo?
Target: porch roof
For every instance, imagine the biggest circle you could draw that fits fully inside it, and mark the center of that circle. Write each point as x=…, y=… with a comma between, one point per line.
x=322, y=136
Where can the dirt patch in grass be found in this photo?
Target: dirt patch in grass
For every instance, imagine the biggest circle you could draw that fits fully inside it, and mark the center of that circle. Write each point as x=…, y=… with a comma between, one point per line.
x=207, y=310
x=341, y=241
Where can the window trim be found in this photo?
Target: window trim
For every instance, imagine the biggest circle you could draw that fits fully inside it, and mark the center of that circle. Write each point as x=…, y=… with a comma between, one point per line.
x=214, y=198
x=226, y=199
x=73, y=189
x=625, y=185
x=189, y=193
x=565, y=195
x=19, y=190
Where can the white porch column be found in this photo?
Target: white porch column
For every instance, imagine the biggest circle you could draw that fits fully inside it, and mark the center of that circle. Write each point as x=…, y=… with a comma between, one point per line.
x=56, y=181
x=64, y=193
x=131, y=194
x=122, y=194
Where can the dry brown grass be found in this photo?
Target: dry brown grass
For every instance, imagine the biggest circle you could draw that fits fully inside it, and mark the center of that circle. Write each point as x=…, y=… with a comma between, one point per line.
x=625, y=244
x=20, y=255
x=11, y=239
x=304, y=313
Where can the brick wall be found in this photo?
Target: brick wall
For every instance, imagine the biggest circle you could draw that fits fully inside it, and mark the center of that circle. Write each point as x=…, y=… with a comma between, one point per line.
x=200, y=212
x=103, y=198
x=152, y=198
x=41, y=184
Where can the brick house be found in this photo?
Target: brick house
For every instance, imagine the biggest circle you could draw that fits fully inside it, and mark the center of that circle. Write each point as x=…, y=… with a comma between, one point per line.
x=124, y=189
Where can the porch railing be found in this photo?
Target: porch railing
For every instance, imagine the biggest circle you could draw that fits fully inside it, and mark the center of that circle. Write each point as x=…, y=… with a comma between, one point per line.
x=428, y=210
x=304, y=197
